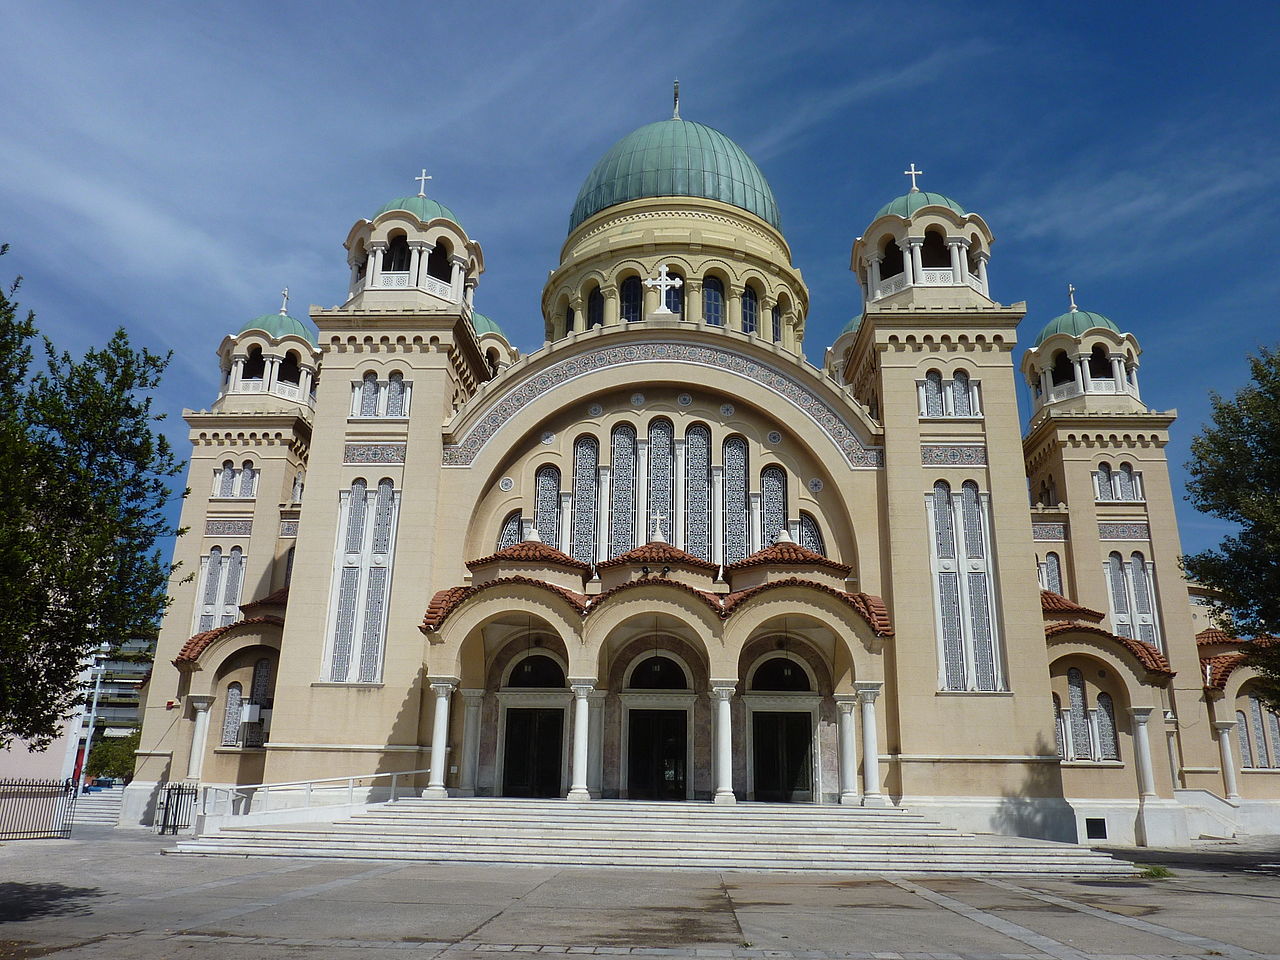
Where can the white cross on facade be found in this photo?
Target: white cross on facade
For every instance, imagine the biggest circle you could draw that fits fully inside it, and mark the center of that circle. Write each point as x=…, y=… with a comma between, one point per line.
x=663, y=283
x=657, y=536
x=284, y=305
x=1071, y=295
x=422, y=179
x=912, y=173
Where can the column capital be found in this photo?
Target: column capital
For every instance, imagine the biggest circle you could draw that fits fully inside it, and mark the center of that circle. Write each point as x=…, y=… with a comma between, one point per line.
x=723, y=689
x=1141, y=714
x=443, y=686
x=472, y=693
x=874, y=258
x=576, y=303
x=915, y=241
x=1223, y=726
x=582, y=688
x=957, y=241
x=377, y=245
x=846, y=702
x=202, y=703
x=982, y=255
x=418, y=244
x=868, y=690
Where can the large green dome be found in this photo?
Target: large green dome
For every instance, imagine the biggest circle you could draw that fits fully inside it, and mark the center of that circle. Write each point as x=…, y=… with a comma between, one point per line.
x=424, y=208
x=1074, y=323
x=907, y=204
x=675, y=158
x=277, y=325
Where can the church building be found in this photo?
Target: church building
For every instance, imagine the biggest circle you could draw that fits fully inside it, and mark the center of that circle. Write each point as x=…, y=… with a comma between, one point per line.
x=667, y=557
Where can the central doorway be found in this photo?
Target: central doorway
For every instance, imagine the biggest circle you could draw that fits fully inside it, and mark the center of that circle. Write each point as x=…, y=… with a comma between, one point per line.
x=782, y=746
x=657, y=748
x=531, y=758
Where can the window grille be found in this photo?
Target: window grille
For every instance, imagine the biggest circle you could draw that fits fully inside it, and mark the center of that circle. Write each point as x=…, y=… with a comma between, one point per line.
x=933, y=394
x=1053, y=573
x=227, y=479
x=1124, y=483
x=212, y=580
x=1081, y=741
x=811, y=535
x=661, y=477
x=777, y=324
x=369, y=395
x=1059, y=729
x=960, y=395
x=697, y=491
x=631, y=298
x=511, y=532
x=1242, y=735
x=713, y=301
x=230, y=718
x=1119, y=595
x=234, y=576
x=957, y=397
x=248, y=479
x=1259, y=733
x=395, y=395
x=750, y=310
x=1108, y=742
x=736, y=538
x=254, y=733
x=622, y=523
x=547, y=507
x=374, y=398
x=586, y=466
x=773, y=497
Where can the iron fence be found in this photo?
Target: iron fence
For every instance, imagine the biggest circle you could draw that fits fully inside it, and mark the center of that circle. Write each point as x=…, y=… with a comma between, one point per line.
x=36, y=809
x=177, y=801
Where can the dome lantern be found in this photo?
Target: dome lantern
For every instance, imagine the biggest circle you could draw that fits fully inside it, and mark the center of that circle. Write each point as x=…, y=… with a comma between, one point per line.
x=274, y=356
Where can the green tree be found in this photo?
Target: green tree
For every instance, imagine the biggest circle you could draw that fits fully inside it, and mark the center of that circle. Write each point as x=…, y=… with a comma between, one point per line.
x=84, y=478
x=113, y=757
x=1235, y=476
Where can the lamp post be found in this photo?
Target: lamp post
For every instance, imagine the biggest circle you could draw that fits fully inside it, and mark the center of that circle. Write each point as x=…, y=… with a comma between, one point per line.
x=99, y=668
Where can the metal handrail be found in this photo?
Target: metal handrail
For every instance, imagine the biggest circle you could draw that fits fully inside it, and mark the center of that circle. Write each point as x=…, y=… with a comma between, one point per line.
x=238, y=800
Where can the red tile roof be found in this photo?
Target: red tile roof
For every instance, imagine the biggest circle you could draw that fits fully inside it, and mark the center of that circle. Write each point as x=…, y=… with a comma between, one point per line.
x=710, y=599
x=657, y=552
x=1213, y=635
x=1217, y=669
x=1152, y=660
x=279, y=598
x=871, y=608
x=791, y=554
x=193, y=648
x=531, y=551
x=1051, y=602
x=446, y=601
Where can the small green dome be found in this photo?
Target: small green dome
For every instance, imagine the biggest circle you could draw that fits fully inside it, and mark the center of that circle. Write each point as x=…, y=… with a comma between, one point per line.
x=482, y=325
x=907, y=204
x=424, y=208
x=277, y=325
x=675, y=158
x=1074, y=323
x=852, y=326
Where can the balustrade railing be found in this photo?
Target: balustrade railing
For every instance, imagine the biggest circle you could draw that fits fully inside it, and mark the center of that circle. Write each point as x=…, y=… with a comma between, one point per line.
x=403, y=281
x=303, y=794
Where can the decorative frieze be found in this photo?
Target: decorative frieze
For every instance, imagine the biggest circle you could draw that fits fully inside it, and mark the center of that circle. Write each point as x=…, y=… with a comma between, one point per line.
x=1124, y=531
x=1049, y=531
x=373, y=453
x=228, y=528
x=826, y=416
x=953, y=455
x=288, y=528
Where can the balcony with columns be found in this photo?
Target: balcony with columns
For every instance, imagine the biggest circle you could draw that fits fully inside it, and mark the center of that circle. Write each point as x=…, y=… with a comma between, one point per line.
x=1093, y=374
x=962, y=271
x=373, y=274
x=269, y=382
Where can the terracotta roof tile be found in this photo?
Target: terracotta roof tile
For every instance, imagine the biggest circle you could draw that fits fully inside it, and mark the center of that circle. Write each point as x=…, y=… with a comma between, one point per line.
x=279, y=598
x=871, y=608
x=531, y=551
x=656, y=552
x=1152, y=660
x=1213, y=635
x=1052, y=602
x=792, y=554
x=1217, y=669
x=710, y=599
x=446, y=601
x=193, y=648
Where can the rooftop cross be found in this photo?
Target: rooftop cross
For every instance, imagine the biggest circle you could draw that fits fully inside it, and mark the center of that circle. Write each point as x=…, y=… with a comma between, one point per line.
x=675, y=110
x=284, y=305
x=663, y=283
x=657, y=536
x=1071, y=295
x=913, y=173
x=422, y=179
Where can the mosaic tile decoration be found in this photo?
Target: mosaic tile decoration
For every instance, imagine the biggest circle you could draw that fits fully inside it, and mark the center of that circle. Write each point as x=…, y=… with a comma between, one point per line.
x=228, y=528
x=373, y=453
x=1124, y=531
x=953, y=455
x=1048, y=531
x=518, y=397
x=288, y=528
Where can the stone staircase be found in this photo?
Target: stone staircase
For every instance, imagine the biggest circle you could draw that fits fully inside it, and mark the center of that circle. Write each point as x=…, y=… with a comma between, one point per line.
x=100, y=806
x=609, y=833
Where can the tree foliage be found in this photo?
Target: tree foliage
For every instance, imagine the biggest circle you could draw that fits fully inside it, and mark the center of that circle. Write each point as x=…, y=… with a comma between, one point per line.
x=113, y=756
x=84, y=478
x=1235, y=476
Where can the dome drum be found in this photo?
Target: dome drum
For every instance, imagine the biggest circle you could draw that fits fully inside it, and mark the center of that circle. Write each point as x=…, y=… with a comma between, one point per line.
x=1084, y=358
x=274, y=355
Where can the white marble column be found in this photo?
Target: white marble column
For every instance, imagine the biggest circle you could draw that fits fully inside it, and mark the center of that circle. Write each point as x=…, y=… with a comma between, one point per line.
x=199, y=735
x=1077, y=376
x=579, y=308
x=1134, y=376
x=373, y=272
x=644, y=529
x=982, y=273
x=604, y=488
x=1085, y=375
x=566, y=518
x=873, y=277
x=1117, y=372
x=472, y=701
x=721, y=693
x=595, y=742
x=677, y=497
x=917, y=262
x=957, y=260
x=457, y=278
x=237, y=371
x=1142, y=751
x=578, y=789
x=848, y=749
x=755, y=523
x=415, y=260
x=1227, y=757
x=443, y=689
x=717, y=514
x=271, y=374
x=867, y=693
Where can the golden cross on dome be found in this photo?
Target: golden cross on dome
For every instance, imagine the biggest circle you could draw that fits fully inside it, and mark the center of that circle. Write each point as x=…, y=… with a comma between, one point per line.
x=913, y=173
x=1071, y=295
x=422, y=179
x=284, y=305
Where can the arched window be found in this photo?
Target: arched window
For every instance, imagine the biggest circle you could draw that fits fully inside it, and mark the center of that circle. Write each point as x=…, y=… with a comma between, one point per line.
x=1104, y=482
x=1053, y=573
x=1108, y=742
x=254, y=365
x=780, y=673
x=697, y=491
x=736, y=542
x=713, y=301
x=933, y=394
x=622, y=522
x=546, y=516
x=298, y=484
x=439, y=266
x=631, y=297
x=395, y=259
x=1064, y=371
x=253, y=734
x=288, y=565
x=1143, y=607
x=1119, y=596
x=509, y=535
x=777, y=324
x=213, y=566
x=586, y=467
x=658, y=673
x=537, y=670
x=1099, y=363
x=569, y=317
x=290, y=370
x=369, y=395
x=1123, y=480
x=661, y=478
x=248, y=480
x=234, y=579
x=1264, y=727
x=811, y=534
x=395, y=395
x=933, y=252
x=675, y=296
x=773, y=503
x=595, y=309
x=363, y=581
x=1242, y=736
x=750, y=309
x=892, y=264
x=960, y=399
x=1059, y=728
x=231, y=716
x=1261, y=753
x=1080, y=738
x=227, y=479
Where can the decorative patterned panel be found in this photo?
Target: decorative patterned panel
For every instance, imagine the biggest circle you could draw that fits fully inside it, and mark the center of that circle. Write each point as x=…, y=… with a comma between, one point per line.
x=662, y=477
x=288, y=528
x=382, y=518
x=1108, y=742
x=357, y=505
x=1053, y=573
x=933, y=394
x=371, y=640
x=503, y=408
x=622, y=520
x=511, y=531
x=395, y=395
x=1273, y=725
x=586, y=465
x=248, y=481
x=944, y=536
x=231, y=716
x=234, y=569
x=953, y=455
x=773, y=499
x=1124, y=531
x=973, y=539
x=1048, y=531
x=346, y=625
x=369, y=395
x=1079, y=715
x=960, y=395
x=983, y=640
x=1263, y=757
x=547, y=507
x=373, y=453
x=811, y=535
x=1242, y=737
x=735, y=500
x=697, y=491
x=227, y=480
x=228, y=528
x=952, y=639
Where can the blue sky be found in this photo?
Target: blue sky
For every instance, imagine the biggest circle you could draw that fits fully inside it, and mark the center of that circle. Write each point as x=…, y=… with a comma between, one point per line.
x=169, y=167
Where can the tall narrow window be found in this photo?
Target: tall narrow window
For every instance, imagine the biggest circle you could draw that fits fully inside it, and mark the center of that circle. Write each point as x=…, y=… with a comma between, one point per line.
x=396, y=395
x=595, y=309
x=1053, y=573
x=1133, y=607
x=209, y=595
x=979, y=594
x=233, y=579
x=369, y=395
x=713, y=301
x=1059, y=728
x=661, y=478
x=586, y=467
x=811, y=535
x=631, y=299
x=1242, y=736
x=933, y=394
x=735, y=500
x=397, y=256
x=777, y=324
x=750, y=310
x=1080, y=734
x=1104, y=483
x=248, y=480
x=1124, y=482
x=377, y=581
x=1119, y=596
x=253, y=733
x=948, y=588
x=1259, y=732
x=697, y=491
x=1144, y=609
x=546, y=516
x=773, y=503
x=231, y=716
x=960, y=399
x=1108, y=742
x=227, y=479
x=675, y=297
x=622, y=521
x=510, y=533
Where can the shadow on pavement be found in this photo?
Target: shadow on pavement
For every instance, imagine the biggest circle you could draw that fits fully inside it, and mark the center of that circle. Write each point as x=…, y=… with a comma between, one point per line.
x=31, y=901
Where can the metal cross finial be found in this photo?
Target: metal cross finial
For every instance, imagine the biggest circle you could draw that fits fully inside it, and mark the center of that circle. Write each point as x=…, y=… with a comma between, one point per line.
x=675, y=109
x=664, y=283
x=913, y=173
x=422, y=179
x=1071, y=295
x=284, y=305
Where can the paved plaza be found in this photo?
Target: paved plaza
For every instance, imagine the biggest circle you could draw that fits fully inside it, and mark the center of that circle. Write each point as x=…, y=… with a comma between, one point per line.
x=110, y=894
